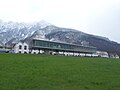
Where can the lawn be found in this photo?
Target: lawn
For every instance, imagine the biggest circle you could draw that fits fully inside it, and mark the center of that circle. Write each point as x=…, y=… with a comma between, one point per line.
x=46, y=72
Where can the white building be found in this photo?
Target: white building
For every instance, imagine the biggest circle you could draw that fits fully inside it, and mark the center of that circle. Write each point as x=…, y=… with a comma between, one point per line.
x=102, y=53
x=50, y=47
x=35, y=51
x=21, y=47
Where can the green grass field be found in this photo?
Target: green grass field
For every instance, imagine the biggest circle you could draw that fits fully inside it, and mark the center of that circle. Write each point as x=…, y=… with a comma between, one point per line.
x=46, y=72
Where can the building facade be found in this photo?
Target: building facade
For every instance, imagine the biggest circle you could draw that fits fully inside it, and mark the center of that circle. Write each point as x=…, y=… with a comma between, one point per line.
x=50, y=47
x=21, y=47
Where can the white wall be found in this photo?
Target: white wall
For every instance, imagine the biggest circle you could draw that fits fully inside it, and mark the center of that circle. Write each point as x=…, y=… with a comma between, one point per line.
x=22, y=50
x=35, y=52
x=102, y=53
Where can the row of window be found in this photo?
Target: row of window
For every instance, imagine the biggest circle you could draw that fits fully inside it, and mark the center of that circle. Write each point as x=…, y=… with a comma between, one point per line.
x=62, y=46
x=20, y=47
x=52, y=45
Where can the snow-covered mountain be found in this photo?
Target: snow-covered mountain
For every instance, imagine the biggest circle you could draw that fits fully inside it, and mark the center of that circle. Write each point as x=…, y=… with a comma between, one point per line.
x=19, y=31
x=11, y=32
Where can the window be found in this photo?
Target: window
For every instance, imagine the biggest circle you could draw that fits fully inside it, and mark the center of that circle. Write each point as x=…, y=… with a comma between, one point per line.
x=19, y=51
x=20, y=46
x=25, y=47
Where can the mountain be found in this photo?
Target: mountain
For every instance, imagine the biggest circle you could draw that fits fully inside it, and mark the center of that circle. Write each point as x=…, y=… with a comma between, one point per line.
x=76, y=37
x=43, y=32
x=12, y=32
x=20, y=31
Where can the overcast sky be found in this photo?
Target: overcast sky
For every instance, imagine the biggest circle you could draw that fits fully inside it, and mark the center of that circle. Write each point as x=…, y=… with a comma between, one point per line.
x=98, y=17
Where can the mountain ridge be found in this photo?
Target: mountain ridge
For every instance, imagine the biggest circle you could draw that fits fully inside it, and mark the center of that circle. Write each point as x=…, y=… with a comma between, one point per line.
x=11, y=32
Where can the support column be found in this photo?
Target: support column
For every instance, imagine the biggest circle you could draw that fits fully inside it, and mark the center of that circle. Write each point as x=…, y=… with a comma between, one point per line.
x=91, y=55
x=57, y=52
x=46, y=51
x=63, y=53
x=39, y=52
x=73, y=53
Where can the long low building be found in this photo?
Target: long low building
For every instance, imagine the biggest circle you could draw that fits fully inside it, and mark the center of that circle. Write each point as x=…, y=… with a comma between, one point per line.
x=48, y=46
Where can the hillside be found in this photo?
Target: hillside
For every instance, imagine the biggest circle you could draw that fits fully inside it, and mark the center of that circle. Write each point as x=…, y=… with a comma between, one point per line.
x=11, y=32
x=76, y=37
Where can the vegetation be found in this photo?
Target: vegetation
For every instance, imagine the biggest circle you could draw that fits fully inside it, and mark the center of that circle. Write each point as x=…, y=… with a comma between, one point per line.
x=46, y=72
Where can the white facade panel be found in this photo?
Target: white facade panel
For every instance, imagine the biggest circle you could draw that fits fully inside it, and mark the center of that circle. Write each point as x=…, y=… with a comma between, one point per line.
x=21, y=48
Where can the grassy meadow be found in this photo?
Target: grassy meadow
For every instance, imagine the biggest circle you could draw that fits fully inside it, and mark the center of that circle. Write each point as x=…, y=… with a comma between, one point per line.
x=47, y=72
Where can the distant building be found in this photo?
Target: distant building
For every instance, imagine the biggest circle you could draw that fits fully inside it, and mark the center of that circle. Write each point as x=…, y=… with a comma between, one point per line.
x=36, y=46
x=21, y=47
x=51, y=47
x=102, y=54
